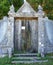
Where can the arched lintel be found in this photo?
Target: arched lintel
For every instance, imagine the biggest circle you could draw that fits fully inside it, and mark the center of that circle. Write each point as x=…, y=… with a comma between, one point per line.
x=26, y=18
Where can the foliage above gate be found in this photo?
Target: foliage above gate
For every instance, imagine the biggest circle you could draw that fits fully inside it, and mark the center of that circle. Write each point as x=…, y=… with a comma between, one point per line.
x=47, y=6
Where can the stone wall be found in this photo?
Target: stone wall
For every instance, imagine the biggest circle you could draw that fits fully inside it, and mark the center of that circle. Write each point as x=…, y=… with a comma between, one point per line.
x=10, y=32
x=3, y=36
x=48, y=35
x=6, y=33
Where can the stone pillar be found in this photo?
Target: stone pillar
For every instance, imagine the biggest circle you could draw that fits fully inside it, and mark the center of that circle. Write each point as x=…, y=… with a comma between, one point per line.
x=10, y=36
x=11, y=14
x=41, y=29
x=41, y=37
x=11, y=32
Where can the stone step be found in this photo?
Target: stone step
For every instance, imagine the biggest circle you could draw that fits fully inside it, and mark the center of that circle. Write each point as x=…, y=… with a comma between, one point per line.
x=26, y=55
x=32, y=58
x=26, y=58
x=15, y=62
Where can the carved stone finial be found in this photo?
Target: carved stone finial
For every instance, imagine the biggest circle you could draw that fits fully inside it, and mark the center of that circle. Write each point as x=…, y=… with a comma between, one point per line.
x=12, y=8
x=11, y=12
x=40, y=7
x=24, y=1
x=40, y=11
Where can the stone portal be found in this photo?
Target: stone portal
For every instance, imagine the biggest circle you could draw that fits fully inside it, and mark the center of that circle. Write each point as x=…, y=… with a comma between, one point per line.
x=26, y=35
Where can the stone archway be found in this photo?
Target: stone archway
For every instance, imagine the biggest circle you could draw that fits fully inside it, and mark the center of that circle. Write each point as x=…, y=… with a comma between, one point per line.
x=26, y=40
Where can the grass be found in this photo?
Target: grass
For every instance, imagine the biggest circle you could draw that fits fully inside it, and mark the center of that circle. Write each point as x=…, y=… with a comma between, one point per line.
x=7, y=61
